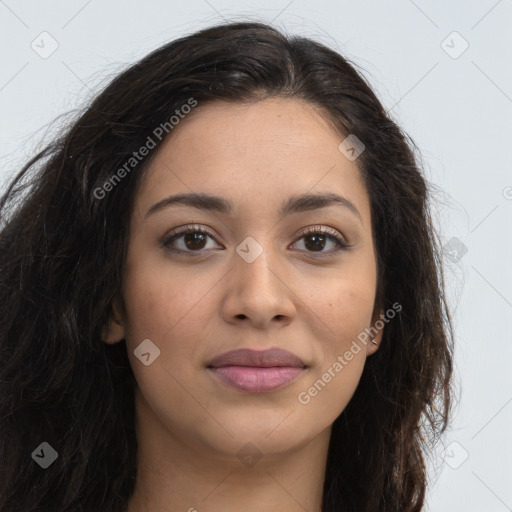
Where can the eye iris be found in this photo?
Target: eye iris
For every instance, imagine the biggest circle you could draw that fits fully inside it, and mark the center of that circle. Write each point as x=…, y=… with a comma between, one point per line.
x=319, y=241
x=197, y=238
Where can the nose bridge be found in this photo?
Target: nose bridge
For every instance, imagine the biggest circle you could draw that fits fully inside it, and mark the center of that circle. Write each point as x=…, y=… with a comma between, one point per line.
x=255, y=264
x=256, y=288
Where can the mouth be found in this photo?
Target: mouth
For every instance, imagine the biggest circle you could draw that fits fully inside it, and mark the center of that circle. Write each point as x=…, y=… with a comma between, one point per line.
x=256, y=371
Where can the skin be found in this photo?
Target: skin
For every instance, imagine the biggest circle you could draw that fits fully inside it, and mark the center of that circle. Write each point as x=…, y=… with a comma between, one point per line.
x=190, y=426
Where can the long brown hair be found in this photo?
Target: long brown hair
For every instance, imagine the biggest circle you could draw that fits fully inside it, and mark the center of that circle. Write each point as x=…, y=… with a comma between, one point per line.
x=62, y=252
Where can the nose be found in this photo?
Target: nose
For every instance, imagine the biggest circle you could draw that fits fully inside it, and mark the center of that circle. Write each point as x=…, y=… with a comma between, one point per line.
x=259, y=293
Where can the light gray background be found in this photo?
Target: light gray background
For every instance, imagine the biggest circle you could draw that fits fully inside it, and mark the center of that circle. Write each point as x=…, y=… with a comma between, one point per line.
x=458, y=110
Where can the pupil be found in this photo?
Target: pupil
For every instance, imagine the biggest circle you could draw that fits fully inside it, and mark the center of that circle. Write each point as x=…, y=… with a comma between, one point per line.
x=197, y=238
x=318, y=238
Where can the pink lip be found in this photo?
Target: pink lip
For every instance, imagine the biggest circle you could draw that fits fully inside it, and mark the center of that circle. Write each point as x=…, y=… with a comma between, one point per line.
x=256, y=379
x=257, y=371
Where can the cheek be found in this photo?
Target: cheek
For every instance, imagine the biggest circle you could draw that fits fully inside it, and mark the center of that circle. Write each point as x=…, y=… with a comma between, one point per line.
x=345, y=306
x=349, y=314
x=169, y=308
x=352, y=312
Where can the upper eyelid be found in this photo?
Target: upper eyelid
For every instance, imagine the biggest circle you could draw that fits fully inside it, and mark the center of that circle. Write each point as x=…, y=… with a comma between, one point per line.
x=327, y=230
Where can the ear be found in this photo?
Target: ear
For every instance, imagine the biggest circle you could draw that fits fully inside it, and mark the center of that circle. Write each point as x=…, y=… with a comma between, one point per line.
x=376, y=330
x=114, y=332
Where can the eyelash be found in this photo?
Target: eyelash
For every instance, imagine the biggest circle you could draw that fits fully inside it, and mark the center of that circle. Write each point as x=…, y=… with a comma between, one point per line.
x=313, y=230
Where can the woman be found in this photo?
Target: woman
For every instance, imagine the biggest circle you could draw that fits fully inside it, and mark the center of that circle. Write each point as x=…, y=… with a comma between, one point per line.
x=221, y=290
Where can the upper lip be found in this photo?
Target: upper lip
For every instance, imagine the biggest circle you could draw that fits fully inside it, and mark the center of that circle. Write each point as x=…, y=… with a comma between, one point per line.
x=258, y=358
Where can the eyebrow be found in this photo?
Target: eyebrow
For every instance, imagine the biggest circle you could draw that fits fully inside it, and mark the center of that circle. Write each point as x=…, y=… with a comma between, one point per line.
x=295, y=204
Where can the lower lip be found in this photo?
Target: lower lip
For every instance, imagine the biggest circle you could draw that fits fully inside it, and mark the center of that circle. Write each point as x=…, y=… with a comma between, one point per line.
x=256, y=379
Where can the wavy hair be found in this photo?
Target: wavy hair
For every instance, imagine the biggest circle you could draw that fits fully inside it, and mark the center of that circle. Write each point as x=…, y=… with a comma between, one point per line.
x=62, y=256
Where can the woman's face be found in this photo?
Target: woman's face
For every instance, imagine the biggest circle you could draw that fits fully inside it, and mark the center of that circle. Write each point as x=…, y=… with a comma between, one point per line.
x=257, y=280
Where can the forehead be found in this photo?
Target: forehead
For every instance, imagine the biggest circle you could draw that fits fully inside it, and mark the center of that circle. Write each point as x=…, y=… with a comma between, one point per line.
x=254, y=153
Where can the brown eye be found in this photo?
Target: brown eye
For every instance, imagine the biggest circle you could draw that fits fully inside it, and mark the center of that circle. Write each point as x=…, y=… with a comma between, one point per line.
x=188, y=240
x=316, y=242
x=194, y=241
x=318, y=237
